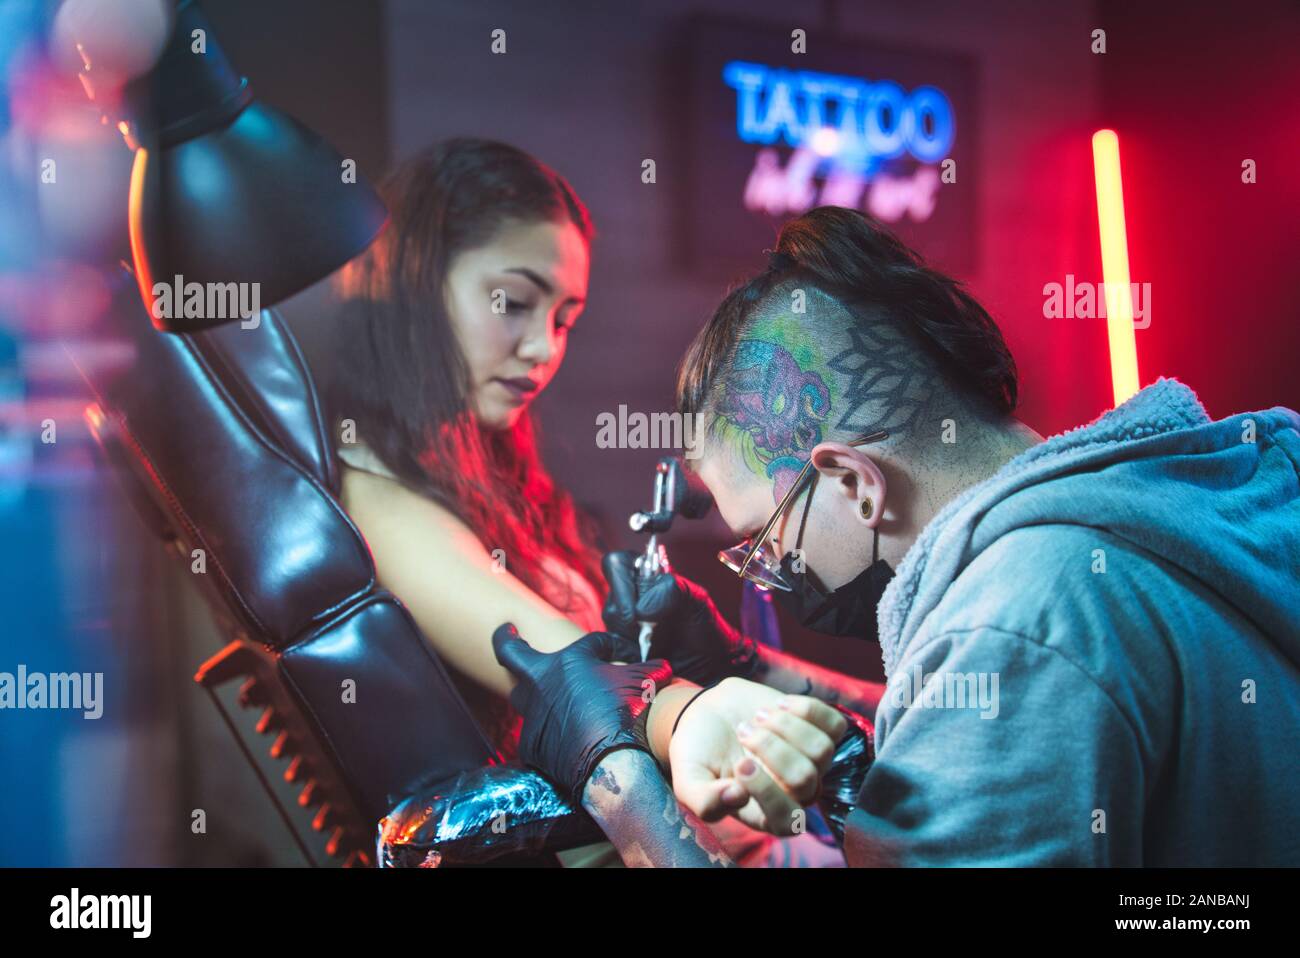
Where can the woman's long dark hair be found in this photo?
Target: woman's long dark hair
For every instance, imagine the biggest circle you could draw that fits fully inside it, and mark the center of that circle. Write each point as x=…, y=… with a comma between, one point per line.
x=402, y=377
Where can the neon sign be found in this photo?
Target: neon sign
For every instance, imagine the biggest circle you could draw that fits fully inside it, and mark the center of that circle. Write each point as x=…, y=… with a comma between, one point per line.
x=770, y=133
x=845, y=132
x=845, y=115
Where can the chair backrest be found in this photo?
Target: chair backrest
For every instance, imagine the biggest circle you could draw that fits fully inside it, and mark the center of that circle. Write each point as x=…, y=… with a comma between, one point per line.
x=221, y=440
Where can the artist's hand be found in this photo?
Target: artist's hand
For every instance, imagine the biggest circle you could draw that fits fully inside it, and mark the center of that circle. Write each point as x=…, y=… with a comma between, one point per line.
x=577, y=706
x=744, y=749
x=689, y=632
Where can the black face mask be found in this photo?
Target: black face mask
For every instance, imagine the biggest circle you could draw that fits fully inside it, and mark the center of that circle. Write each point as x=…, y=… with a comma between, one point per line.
x=849, y=611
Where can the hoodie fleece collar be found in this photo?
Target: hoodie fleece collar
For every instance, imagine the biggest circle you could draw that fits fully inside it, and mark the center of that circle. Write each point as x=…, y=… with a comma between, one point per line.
x=942, y=549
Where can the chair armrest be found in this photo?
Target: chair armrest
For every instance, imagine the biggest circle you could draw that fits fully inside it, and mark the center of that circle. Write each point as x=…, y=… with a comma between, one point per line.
x=481, y=815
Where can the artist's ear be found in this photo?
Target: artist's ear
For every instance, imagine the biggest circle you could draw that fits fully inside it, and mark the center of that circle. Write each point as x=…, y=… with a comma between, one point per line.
x=848, y=473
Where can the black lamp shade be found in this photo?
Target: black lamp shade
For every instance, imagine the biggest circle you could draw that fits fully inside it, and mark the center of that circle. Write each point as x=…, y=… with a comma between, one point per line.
x=228, y=190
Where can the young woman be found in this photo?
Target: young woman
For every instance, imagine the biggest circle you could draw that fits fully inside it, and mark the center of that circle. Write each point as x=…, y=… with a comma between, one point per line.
x=453, y=321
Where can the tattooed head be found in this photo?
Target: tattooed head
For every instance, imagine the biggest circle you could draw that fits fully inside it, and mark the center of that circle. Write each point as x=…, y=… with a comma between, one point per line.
x=775, y=398
x=848, y=333
x=805, y=370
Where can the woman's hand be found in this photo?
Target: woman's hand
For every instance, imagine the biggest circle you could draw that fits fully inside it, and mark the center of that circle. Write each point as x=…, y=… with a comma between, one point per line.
x=747, y=750
x=739, y=748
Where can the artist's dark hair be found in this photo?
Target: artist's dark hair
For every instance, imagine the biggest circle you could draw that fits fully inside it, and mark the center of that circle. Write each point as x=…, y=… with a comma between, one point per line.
x=856, y=260
x=402, y=378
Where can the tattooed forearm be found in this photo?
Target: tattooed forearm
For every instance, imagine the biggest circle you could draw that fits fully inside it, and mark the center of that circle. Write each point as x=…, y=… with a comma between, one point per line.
x=782, y=671
x=690, y=828
x=635, y=807
x=786, y=678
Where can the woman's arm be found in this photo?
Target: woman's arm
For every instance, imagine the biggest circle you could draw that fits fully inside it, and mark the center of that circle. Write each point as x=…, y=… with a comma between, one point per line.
x=455, y=591
x=459, y=597
x=447, y=578
x=635, y=808
x=578, y=707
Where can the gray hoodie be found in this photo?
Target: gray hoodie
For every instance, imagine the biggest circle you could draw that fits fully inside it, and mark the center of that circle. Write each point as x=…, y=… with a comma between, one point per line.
x=1093, y=657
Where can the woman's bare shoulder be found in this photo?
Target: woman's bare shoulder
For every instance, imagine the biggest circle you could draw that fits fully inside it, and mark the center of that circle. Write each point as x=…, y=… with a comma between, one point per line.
x=387, y=511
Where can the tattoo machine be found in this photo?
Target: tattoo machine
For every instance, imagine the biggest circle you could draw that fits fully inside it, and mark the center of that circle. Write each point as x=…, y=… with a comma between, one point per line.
x=677, y=493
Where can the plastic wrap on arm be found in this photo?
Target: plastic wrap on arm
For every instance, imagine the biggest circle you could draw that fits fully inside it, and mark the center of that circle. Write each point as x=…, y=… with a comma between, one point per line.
x=481, y=815
x=843, y=780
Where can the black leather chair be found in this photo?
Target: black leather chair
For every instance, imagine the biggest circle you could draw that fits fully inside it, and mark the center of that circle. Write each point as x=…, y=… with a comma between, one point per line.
x=220, y=440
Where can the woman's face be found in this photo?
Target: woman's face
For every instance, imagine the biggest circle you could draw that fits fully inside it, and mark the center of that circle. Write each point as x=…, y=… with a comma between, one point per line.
x=512, y=304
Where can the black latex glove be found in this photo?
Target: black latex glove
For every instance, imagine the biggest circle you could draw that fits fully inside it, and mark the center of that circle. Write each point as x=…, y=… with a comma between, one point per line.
x=576, y=705
x=689, y=630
